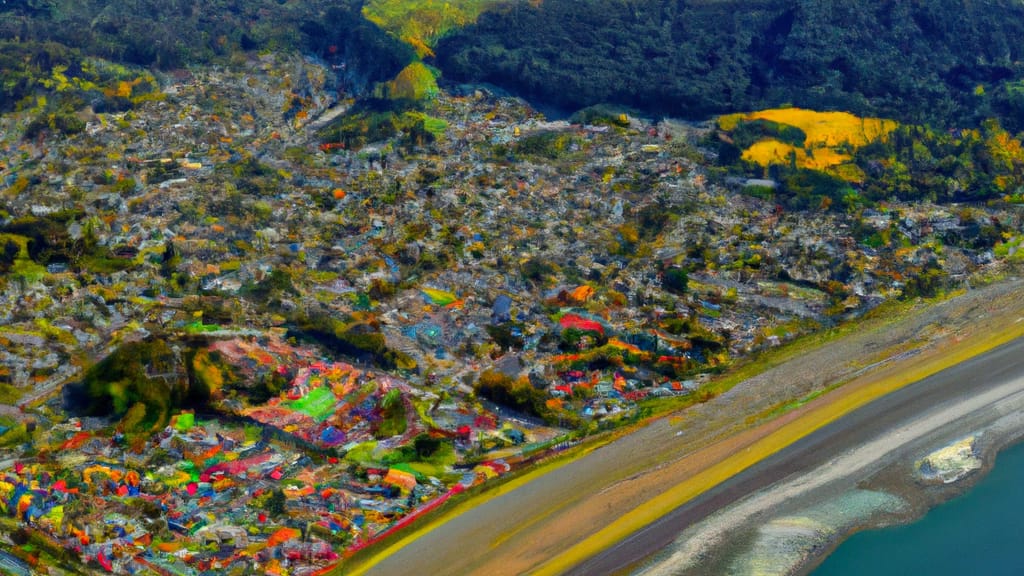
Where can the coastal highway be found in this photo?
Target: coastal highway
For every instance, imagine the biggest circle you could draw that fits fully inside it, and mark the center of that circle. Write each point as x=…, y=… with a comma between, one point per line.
x=953, y=385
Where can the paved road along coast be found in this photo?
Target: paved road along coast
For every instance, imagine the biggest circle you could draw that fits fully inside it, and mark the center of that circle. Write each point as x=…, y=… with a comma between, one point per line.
x=1001, y=369
x=523, y=529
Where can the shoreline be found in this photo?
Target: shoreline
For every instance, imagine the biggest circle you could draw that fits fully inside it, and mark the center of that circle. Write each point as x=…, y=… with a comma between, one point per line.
x=921, y=497
x=794, y=524
x=522, y=530
x=612, y=549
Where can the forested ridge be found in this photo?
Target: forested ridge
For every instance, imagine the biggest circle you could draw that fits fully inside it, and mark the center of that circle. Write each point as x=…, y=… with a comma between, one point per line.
x=942, y=62
x=36, y=35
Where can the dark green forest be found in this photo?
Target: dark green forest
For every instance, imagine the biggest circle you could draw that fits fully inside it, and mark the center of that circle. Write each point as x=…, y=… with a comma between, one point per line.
x=171, y=34
x=146, y=374
x=941, y=62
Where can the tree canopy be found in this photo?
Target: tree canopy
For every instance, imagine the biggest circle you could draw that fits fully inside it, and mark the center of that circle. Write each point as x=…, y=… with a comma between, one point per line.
x=921, y=62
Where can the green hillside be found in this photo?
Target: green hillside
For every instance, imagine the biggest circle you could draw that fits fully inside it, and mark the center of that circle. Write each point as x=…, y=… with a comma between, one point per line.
x=944, y=62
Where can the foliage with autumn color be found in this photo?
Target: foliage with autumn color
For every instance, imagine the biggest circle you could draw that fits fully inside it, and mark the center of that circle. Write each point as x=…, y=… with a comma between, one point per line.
x=420, y=23
x=837, y=161
x=518, y=394
x=828, y=141
x=414, y=82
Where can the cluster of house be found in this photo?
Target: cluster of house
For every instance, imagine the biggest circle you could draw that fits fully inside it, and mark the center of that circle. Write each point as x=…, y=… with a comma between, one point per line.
x=206, y=496
x=546, y=251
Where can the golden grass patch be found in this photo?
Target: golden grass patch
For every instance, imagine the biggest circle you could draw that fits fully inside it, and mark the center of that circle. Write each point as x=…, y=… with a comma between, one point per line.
x=829, y=128
x=831, y=136
x=767, y=152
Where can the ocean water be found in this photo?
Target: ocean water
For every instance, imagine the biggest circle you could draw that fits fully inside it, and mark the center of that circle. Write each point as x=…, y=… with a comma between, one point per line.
x=981, y=532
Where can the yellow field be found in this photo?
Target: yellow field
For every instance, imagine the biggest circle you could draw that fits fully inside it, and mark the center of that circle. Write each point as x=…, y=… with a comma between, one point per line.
x=768, y=152
x=826, y=133
x=692, y=487
x=829, y=128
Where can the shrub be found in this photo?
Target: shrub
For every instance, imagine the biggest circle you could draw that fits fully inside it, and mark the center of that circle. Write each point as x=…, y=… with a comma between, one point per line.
x=675, y=280
x=516, y=394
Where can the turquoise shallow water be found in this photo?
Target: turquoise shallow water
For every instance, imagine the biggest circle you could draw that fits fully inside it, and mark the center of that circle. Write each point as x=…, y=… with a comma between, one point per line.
x=981, y=532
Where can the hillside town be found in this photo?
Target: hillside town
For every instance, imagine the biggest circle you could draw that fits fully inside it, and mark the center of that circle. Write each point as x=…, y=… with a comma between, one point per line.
x=378, y=325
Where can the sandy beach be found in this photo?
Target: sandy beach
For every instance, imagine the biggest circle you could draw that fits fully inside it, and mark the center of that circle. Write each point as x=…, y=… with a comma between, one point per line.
x=523, y=530
x=790, y=525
